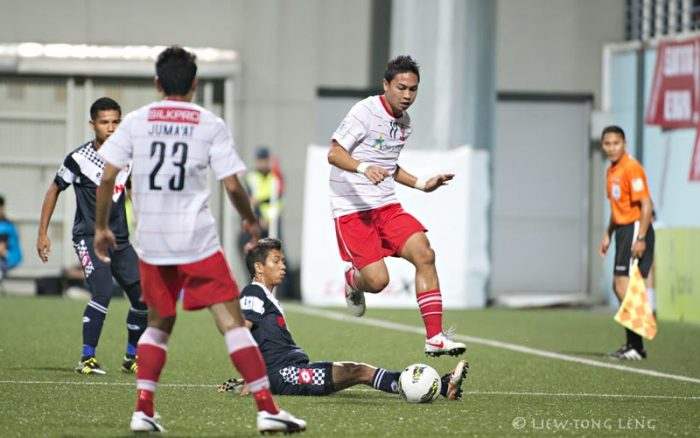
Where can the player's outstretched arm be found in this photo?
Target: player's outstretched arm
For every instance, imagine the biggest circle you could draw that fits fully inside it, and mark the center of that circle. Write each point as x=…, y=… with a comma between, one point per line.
x=339, y=157
x=401, y=176
x=43, y=243
x=438, y=181
x=239, y=198
x=104, y=238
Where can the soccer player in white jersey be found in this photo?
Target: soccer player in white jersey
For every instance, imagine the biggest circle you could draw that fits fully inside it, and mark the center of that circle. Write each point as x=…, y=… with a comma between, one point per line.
x=172, y=143
x=370, y=224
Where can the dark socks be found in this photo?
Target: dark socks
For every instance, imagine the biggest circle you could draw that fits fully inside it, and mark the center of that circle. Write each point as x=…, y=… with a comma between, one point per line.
x=93, y=320
x=387, y=381
x=136, y=323
x=136, y=319
x=634, y=340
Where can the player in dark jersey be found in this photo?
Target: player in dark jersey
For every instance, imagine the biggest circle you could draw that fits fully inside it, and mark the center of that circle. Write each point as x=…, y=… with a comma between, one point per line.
x=288, y=366
x=83, y=169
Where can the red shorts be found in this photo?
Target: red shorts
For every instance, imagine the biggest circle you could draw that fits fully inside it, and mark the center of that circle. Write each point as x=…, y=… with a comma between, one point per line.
x=203, y=283
x=367, y=236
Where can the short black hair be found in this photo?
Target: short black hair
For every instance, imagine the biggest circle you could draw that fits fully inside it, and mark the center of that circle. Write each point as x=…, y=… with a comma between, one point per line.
x=401, y=64
x=613, y=129
x=176, y=69
x=260, y=252
x=104, y=104
x=2, y=201
x=262, y=152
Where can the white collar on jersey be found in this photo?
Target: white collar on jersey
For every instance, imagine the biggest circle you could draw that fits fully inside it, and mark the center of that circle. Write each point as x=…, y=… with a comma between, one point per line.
x=270, y=296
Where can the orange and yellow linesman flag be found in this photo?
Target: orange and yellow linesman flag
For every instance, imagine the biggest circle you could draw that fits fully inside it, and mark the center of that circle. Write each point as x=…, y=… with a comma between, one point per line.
x=635, y=312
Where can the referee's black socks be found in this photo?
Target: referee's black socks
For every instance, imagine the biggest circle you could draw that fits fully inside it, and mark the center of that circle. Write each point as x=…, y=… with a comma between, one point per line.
x=634, y=340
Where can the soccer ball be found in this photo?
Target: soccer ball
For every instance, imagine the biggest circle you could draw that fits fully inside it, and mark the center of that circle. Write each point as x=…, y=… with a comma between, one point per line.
x=419, y=383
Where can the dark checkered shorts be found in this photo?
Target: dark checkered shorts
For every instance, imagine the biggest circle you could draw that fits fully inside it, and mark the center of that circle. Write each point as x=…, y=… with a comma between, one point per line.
x=315, y=378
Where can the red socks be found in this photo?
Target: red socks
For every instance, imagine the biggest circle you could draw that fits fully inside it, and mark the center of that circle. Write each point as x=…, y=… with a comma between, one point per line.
x=247, y=359
x=152, y=352
x=430, y=305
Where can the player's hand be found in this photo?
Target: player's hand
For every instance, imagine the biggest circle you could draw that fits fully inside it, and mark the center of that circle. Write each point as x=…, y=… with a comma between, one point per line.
x=43, y=247
x=638, y=249
x=604, y=245
x=437, y=181
x=104, y=239
x=254, y=230
x=376, y=174
x=234, y=385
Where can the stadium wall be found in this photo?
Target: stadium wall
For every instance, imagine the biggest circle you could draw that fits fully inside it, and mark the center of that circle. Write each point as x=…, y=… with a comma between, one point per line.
x=555, y=46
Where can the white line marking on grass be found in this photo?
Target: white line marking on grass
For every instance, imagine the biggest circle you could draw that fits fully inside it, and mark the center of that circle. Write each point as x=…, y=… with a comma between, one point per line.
x=50, y=382
x=561, y=394
x=483, y=341
x=585, y=394
x=360, y=389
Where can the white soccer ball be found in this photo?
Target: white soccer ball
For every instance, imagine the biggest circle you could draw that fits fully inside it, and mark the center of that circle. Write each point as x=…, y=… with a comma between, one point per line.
x=419, y=383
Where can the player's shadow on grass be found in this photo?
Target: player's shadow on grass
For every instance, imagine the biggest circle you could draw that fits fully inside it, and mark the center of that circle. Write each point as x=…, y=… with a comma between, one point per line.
x=586, y=353
x=63, y=370
x=368, y=398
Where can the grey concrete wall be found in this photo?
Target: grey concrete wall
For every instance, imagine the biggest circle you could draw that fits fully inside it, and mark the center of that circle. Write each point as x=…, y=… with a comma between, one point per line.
x=555, y=45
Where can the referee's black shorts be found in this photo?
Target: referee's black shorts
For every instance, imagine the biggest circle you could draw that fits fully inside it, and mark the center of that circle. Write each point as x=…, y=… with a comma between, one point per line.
x=625, y=236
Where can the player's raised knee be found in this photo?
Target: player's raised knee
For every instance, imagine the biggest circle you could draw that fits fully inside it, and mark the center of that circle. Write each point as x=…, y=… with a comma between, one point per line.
x=376, y=283
x=425, y=256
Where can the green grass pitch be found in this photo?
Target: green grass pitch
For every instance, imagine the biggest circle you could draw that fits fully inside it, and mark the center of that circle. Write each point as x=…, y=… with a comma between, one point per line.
x=508, y=392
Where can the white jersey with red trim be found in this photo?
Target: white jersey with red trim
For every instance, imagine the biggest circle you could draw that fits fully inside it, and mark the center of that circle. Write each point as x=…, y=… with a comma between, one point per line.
x=171, y=144
x=372, y=135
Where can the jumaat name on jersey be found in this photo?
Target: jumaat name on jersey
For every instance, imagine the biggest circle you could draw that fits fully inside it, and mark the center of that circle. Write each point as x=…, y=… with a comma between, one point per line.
x=163, y=129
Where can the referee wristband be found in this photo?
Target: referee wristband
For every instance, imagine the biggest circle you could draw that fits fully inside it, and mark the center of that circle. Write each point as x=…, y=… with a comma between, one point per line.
x=362, y=167
x=420, y=184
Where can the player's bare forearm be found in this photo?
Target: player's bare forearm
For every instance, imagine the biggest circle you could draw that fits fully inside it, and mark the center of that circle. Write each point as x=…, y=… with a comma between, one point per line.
x=645, y=220
x=639, y=246
x=104, y=196
x=47, y=208
x=339, y=157
x=611, y=227
x=104, y=238
x=401, y=176
x=239, y=198
x=605, y=242
x=43, y=243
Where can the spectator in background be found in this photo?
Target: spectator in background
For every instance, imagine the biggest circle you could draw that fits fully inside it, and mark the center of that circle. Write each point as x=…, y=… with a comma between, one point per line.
x=265, y=187
x=10, y=250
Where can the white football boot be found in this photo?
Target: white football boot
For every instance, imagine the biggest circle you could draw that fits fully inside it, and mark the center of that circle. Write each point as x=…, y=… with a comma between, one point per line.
x=354, y=298
x=441, y=344
x=140, y=422
x=281, y=422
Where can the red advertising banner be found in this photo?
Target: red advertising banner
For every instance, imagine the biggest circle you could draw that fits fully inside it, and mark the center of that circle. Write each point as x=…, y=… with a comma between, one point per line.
x=674, y=101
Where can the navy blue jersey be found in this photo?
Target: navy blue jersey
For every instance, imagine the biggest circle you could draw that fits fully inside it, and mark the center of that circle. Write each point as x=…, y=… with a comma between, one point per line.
x=83, y=168
x=270, y=328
